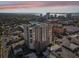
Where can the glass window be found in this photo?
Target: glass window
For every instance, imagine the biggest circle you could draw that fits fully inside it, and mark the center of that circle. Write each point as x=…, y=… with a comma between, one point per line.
x=30, y=40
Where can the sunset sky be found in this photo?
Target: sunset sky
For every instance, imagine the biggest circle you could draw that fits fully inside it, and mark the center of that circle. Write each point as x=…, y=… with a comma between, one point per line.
x=39, y=7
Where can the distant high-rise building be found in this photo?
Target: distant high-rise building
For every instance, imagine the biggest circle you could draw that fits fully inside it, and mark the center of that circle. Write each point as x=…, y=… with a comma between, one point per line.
x=68, y=16
x=47, y=15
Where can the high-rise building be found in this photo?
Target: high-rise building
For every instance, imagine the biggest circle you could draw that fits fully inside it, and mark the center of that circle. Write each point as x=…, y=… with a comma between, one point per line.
x=38, y=36
x=26, y=33
x=42, y=35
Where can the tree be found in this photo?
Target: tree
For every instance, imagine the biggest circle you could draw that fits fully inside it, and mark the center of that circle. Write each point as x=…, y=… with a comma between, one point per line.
x=1, y=30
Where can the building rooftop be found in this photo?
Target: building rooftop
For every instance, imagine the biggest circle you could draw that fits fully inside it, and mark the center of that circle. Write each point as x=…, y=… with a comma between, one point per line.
x=55, y=47
x=73, y=46
x=17, y=50
x=58, y=30
x=31, y=55
x=72, y=29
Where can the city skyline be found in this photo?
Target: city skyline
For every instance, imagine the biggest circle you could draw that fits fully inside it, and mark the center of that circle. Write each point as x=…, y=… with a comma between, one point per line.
x=39, y=6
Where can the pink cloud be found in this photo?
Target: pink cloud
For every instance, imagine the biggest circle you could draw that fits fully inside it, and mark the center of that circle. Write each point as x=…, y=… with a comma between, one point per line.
x=35, y=4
